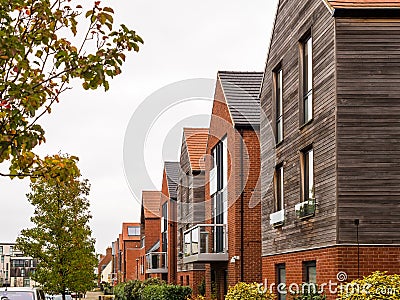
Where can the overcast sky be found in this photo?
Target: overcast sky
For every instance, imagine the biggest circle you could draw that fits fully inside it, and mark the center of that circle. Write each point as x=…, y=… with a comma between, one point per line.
x=183, y=40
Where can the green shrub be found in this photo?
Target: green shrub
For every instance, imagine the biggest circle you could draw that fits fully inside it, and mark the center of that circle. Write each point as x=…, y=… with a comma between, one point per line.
x=378, y=285
x=153, y=281
x=248, y=291
x=119, y=291
x=106, y=288
x=133, y=290
x=201, y=288
x=309, y=291
x=166, y=292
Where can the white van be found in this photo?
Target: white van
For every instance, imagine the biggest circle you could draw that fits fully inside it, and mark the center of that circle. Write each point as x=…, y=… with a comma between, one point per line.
x=21, y=293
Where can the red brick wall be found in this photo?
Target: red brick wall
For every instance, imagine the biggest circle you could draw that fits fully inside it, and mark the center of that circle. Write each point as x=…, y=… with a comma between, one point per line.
x=331, y=261
x=220, y=126
x=191, y=278
x=142, y=264
x=172, y=231
x=152, y=232
x=131, y=253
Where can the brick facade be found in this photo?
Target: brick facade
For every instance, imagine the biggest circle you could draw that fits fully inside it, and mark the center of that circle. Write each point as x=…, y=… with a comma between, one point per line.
x=330, y=261
x=244, y=210
x=192, y=279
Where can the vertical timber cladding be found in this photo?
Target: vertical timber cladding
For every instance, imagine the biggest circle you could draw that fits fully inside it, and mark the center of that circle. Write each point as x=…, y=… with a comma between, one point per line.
x=294, y=20
x=190, y=196
x=368, y=100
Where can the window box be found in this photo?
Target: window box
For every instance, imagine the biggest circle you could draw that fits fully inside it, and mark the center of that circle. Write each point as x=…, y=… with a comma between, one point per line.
x=305, y=209
x=277, y=218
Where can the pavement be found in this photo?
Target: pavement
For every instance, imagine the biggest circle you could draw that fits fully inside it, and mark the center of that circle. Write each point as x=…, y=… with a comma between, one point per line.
x=93, y=295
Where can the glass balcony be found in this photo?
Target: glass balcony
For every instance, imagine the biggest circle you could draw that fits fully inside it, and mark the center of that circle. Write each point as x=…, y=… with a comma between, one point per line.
x=205, y=243
x=156, y=263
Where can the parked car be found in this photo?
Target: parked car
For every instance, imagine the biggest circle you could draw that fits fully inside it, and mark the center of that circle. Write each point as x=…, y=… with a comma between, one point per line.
x=59, y=297
x=21, y=293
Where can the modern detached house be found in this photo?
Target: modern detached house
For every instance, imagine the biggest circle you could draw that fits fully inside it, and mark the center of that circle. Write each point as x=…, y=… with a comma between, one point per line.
x=331, y=93
x=150, y=265
x=190, y=205
x=228, y=243
x=167, y=257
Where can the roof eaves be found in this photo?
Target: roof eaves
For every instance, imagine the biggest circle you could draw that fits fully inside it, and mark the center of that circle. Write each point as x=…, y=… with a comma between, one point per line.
x=367, y=12
x=269, y=46
x=329, y=6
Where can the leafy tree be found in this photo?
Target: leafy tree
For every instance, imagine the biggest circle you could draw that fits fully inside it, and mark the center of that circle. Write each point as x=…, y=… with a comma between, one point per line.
x=61, y=236
x=249, y=291
x=378, y=285
x=38, y=59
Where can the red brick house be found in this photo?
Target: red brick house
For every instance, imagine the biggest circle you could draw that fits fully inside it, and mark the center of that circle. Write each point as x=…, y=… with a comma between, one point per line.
x=130, y=250
x=331, y=96
x=233, y=192
x=229, y=242
x=191, y=203
x=169, y=226
x=150, y=235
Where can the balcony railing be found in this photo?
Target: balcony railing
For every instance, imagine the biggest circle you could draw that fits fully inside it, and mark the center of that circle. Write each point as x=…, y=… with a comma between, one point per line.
x=205, y=243
x=156, y=262
x=305, y=209
x=277, y=218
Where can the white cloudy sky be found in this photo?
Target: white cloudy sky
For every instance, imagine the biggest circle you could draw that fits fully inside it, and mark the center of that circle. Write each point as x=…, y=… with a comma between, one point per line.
x=183, y=40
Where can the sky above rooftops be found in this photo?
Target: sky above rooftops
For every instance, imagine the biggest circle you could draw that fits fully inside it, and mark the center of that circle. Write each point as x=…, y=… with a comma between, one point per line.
x=183, y=40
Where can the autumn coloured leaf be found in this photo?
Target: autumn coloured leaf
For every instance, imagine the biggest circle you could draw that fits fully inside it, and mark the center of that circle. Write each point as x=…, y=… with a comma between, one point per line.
x=38, y=63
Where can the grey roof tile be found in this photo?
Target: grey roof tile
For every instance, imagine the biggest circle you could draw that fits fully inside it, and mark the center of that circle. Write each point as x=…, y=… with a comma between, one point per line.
x=172, y=170
x=241, y=90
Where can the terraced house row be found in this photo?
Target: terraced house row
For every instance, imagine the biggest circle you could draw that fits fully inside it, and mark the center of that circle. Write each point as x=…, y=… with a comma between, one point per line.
x=297, y=177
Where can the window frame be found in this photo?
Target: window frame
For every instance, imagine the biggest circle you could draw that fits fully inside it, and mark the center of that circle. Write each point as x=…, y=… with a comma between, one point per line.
x=279, y=188
x=307, y=174
x=136, y=229
x=307, y=78
x=278, y=268
x=306, y=271
x=278, y=102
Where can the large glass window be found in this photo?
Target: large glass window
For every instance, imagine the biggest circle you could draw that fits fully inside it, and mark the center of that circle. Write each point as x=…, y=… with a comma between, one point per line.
x=307, y=79
x=220, y=200
x=133, y=230
x=278, y=93
x=308, y=174
x=310, y=271
x=281, y=281
x=164, y=227
x=279, y=200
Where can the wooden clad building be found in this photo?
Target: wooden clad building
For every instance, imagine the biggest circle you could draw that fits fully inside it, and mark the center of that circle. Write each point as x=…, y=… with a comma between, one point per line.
x=190, y=201
x=331, y=96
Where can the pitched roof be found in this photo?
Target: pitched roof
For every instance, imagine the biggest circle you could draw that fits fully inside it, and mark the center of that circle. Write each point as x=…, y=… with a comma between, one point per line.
x=196, y=141
x=241, y=90
x=172, y=169
x=151, y=204
x=364, y=3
